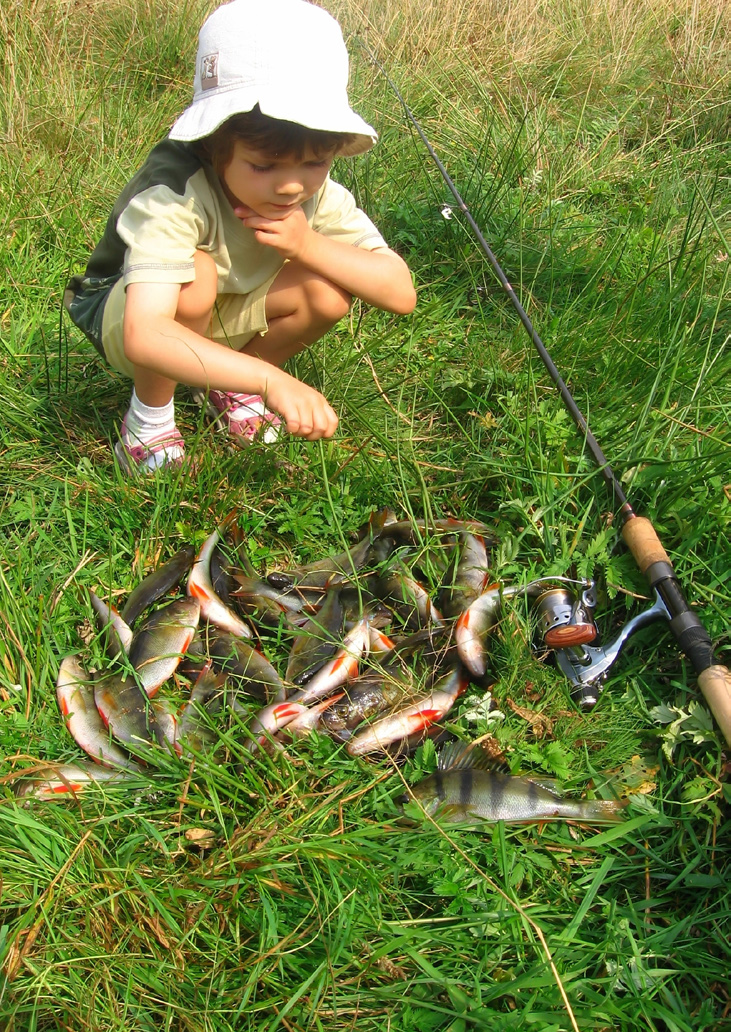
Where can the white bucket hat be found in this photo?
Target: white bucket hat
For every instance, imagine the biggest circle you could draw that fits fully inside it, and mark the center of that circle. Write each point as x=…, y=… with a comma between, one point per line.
x=287, y=56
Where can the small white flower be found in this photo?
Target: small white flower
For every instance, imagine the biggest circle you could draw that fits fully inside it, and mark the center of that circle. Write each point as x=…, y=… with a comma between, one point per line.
x=446, y=212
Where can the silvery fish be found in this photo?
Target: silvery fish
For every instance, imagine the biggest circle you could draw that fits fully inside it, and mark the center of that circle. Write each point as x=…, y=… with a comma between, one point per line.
x=75, y=694
x=390, y=682
x=61, y=780
x=211, y=697
x=336, y=568
x=475, y=623
x=200, y=586
x=317, y=641
x=221, y=578
x=407, y=597
x=341, y=668
x=271, y=719
x=470, y=576
x=259, y=599
x=308, y=721
x=126, y=711
x=376, y=690
x=168, y=721
x=157, y=584
x=161, y=640
x=464, y=789
x=116, y=631
x=430, y=646
x=247, y=668
x=413, y=532
x=419, y=716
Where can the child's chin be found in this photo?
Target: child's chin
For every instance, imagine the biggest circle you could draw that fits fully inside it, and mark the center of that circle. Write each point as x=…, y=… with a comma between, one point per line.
x=277, y=211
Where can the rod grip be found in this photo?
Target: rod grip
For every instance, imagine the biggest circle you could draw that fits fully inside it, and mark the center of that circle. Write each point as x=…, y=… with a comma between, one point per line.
x=641, y=538
x=715, y=680
x=715, y=683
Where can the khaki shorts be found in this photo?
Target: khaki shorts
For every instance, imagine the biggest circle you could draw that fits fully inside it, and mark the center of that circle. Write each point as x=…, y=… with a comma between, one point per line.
x=236, y=319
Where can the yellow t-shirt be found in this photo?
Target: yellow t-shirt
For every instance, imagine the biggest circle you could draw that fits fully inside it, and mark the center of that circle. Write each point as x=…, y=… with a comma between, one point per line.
x=174, y=206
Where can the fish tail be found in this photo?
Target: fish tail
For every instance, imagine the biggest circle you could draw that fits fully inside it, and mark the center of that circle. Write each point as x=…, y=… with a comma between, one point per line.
x=602, y=811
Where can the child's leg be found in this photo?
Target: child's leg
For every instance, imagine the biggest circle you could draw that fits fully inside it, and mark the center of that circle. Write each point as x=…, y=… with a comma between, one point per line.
x=300, y=308
x=149, y=437
x=195, y=308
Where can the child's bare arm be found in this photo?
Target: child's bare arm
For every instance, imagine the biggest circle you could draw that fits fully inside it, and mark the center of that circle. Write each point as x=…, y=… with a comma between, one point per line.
x=381, y=277
x=153, y=340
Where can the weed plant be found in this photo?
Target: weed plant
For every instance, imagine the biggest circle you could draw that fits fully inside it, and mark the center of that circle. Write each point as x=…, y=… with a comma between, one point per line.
x=590, y=142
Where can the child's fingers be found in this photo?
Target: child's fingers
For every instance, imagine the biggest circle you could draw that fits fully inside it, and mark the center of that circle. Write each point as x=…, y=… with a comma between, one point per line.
x=306, y=413
x=313, y=428
x=313, y=421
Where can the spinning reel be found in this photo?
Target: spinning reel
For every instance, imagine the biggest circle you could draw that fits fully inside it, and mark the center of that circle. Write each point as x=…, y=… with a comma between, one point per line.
x=563, y=612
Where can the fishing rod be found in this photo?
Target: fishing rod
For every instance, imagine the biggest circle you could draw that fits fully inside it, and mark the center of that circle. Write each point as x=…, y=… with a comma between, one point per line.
x=638, y=533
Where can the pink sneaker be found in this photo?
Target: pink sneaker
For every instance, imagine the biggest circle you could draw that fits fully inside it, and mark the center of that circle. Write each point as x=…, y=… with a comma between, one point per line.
x=166, y=450
x=245, y=416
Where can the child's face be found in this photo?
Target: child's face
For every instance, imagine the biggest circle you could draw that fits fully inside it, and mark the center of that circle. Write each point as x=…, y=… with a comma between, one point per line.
x=272, y=187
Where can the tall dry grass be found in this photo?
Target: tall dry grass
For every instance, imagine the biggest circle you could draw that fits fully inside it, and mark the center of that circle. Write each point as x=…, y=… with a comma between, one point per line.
x=69, y=68
x=72, y=73
x=615, y=36
x=52, y=48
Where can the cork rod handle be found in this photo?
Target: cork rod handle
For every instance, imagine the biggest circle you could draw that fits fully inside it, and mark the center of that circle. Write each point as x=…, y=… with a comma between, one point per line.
x=715, y=680
x=641, y=538
x=715, y=683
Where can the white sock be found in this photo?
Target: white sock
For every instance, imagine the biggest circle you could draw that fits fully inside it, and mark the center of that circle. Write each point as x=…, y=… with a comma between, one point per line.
x=147, y=423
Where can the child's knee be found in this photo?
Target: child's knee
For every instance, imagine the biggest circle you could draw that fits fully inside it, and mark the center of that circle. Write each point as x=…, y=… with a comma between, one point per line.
x=198, y=297
x=327, y=302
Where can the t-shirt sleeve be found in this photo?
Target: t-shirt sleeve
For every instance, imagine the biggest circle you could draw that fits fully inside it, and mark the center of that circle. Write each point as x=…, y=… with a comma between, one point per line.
x=162, y=230
x=338, y=216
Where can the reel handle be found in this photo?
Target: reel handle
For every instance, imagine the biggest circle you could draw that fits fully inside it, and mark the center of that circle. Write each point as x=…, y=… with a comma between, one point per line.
x=570, y=634
x=714, y=680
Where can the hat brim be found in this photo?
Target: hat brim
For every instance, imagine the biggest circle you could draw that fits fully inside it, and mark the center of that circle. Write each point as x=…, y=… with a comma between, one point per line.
x=208, y=113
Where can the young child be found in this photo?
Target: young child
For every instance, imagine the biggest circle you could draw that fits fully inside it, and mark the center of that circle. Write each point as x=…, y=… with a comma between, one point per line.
x=232, y=249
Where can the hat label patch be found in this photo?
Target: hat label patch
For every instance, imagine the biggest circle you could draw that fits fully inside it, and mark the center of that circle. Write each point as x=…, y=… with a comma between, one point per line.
x=209, y=71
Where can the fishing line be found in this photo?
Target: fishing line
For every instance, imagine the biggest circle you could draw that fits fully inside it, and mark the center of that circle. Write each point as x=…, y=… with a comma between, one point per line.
x=637, y=532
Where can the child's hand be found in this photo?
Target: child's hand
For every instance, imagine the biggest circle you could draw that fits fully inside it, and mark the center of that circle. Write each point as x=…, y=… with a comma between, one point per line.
x=304, y=410
x=288, y=235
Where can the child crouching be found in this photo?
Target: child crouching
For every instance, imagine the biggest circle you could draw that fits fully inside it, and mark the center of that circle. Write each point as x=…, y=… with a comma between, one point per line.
x=232, y=249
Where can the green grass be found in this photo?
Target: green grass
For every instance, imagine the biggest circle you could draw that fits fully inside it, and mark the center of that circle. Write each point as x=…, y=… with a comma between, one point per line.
x=590, y=143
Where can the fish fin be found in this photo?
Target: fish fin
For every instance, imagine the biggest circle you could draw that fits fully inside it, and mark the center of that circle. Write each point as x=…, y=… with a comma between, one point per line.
x=450, y=811
x=377, y=522
x=197, y=590
x=464, y=756
x=329, y=701
x=549, y=784
x=227, y=521
x=463, y=619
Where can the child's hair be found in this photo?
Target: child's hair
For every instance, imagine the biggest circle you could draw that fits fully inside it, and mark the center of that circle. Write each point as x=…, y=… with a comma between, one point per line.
x=270, y=136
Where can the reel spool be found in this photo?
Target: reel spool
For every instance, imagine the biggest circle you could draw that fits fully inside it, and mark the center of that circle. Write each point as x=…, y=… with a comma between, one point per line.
x=564, y=620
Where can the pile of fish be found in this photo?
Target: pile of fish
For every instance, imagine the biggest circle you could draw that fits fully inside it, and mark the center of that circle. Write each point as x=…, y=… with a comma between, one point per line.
x=383, y=639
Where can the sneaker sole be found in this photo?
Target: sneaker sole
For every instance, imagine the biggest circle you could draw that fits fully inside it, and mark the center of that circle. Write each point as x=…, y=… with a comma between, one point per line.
x=139, y=469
